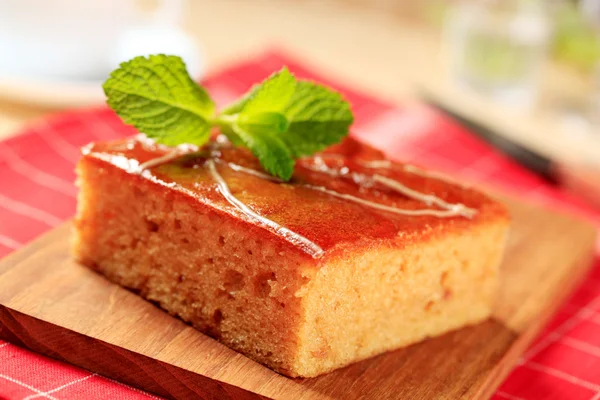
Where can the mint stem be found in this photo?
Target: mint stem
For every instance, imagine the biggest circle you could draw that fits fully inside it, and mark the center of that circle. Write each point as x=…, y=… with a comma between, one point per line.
x=224, y=120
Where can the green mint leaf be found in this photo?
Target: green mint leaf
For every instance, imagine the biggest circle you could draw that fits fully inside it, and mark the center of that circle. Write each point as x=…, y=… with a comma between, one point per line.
x=259, y=122
x=158, y=97
x=263, y=122
x=318, y=118
x=315, y=116
x=273, y=154
x=273, y=94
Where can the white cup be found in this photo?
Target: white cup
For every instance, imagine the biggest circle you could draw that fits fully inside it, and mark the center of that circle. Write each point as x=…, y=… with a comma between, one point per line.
x=61, y=39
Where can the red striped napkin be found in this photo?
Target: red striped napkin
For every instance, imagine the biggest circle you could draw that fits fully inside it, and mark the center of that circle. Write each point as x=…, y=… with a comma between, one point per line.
x=37, y=194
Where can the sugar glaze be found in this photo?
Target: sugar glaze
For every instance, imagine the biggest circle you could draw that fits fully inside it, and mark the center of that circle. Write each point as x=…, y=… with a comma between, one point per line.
x=315, y=164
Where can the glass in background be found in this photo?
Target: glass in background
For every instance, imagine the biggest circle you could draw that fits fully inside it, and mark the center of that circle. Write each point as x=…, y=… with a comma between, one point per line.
x=577, y=45
x=497, y=48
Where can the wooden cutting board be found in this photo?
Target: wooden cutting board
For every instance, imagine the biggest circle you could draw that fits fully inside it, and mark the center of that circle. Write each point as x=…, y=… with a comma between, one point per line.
x=54, y=306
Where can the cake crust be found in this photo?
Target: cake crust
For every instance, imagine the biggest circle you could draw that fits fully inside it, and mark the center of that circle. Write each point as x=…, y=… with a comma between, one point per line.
x=333, y=224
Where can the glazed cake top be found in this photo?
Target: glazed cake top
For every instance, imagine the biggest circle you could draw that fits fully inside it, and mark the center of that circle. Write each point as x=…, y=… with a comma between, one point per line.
x=344, y=198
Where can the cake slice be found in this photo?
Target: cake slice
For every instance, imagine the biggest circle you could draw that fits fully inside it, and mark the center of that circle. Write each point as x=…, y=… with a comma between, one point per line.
x=353, y=257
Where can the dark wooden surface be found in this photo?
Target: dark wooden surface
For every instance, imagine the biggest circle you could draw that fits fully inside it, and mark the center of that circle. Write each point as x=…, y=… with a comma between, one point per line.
x=54, y=306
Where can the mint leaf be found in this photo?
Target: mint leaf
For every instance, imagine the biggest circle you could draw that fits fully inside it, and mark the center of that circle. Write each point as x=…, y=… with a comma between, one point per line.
x=259, y=124
x=264, y=122
x=272, y=153
x=157, y=96
x=273, y=94
x=318, y=117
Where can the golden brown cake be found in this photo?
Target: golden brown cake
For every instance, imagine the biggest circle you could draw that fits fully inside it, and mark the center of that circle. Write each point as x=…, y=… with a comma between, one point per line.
x=354, y=257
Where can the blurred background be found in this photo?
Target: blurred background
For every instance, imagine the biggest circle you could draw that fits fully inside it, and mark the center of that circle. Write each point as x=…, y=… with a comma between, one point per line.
x=524, y=74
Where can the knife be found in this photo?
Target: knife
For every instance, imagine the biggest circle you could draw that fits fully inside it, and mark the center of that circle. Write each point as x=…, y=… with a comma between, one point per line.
x=580, y=180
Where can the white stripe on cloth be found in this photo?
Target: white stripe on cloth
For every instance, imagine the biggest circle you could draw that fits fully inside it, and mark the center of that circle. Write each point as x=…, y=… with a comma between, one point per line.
x=8, y=378
x=29, y=211
x=10, y=243
x=33, y=396
x=28, y=171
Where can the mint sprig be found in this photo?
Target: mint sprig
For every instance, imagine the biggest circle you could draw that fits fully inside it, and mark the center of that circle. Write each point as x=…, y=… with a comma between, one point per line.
x=279, y=119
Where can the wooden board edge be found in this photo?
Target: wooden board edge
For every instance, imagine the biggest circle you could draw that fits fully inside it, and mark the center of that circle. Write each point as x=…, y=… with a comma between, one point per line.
x=112, y=361
x=507, y=363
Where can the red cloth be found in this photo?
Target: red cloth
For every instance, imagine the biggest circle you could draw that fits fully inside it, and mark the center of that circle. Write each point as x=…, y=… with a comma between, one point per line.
x=37, y=194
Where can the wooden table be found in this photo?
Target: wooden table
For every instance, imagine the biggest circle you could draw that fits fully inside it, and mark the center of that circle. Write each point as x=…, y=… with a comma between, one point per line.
x=374, y=49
